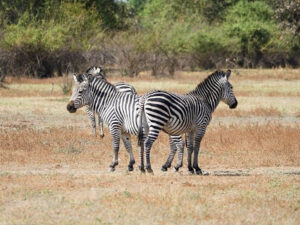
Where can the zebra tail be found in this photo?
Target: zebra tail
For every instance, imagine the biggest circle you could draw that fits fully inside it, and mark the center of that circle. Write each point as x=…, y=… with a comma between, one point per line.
x=141, y=119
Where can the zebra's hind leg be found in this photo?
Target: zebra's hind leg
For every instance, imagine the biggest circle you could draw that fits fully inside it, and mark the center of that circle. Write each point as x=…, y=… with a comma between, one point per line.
x=128, y=146
x=189, y=142
x=141, y=166
x=152, y=136
x=115, y=133
x=141, y=150
x=180, y=147
x=100, y=121
x=168, y=163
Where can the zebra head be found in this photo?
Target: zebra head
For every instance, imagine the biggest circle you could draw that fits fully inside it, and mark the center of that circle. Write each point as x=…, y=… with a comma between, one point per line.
x=227, y=93
x=81, y=93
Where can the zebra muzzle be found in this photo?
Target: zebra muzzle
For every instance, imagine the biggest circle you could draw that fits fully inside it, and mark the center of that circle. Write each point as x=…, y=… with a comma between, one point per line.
x=70, y=107
x=234, y=105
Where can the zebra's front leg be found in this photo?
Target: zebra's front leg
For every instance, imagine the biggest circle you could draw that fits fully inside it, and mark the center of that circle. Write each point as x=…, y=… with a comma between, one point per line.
x=91, y=115
x=115, y=132
x=180, y=147
x=127, y=143
x=190, y=147
x=198, y=139
x=100, y=121
x=168, y=163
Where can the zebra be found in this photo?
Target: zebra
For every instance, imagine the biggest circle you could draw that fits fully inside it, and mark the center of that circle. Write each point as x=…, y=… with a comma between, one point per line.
x=120, y=86
x=119, y=110
x=189, y=113
x=99, y=72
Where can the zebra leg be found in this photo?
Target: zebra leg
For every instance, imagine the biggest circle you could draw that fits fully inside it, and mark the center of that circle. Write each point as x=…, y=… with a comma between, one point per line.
x=128, y=146
x=142, y=145
x=142, y=167
x=189, y=143
x=180, y=147
x=100, y=121
x=152, y=136
x=196, y=152
x=168, y=163
x=115, y=133
x=91, y=115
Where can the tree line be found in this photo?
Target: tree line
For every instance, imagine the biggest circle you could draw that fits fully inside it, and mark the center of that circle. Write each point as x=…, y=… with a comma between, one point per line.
x=44, y=38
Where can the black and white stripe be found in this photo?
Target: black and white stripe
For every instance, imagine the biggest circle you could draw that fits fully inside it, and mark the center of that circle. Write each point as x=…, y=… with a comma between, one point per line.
x=121, y=86
x=190, y=114
x=119, y=111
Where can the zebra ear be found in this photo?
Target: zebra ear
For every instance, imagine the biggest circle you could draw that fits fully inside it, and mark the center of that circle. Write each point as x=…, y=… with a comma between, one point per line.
x=75, y=77
x=228, y=72
x=88, y=77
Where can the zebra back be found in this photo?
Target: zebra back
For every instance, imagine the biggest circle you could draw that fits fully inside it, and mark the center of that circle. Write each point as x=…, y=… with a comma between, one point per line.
x=123, y=87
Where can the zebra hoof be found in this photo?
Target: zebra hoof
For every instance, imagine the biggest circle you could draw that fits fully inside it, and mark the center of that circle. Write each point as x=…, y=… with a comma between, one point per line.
x=191, y=170
x=199, y=171
x=101, y=136
x=112, y=169
x=142, y=169
x=176, y=169
x=164, y=169
x=130, y=168
x=149, y=170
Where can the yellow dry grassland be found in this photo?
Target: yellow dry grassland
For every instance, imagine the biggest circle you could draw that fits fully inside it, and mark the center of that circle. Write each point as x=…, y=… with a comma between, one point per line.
x=53, y=170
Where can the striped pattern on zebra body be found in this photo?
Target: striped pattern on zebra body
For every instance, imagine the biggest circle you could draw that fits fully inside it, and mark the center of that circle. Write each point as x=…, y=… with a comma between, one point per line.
x=99, y=72
x=124, y=87
x=121, y=86
x=190, y=114
x=119, y=110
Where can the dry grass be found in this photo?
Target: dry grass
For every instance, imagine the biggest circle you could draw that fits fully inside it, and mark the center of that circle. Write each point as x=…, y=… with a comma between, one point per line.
x=135, y=199
x=259, y=111
x=231, y=146
x=256, y=82
x=54, y=171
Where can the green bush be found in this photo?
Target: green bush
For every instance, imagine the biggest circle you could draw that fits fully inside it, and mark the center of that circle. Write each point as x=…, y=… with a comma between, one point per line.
x=45, y=37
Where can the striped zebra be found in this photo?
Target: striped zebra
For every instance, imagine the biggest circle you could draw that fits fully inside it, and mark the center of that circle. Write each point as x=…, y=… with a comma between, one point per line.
x=121, y=86
x=190, y=114
x=119, y=111
x=99, y=72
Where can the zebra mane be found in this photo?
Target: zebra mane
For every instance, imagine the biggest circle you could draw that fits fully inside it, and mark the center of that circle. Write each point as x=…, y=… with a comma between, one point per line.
x=211, y=78
x=209, y=89
x=96, y=81
x=96, y=71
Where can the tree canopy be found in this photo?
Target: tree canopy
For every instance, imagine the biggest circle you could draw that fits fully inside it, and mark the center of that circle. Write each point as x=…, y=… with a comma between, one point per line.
x=157, y=35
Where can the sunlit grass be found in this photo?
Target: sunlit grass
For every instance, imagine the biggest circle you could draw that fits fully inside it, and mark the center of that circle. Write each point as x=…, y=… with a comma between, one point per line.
x=53, y=170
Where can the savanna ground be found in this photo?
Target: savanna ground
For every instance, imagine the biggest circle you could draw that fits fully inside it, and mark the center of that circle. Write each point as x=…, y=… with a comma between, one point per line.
x=54, y=171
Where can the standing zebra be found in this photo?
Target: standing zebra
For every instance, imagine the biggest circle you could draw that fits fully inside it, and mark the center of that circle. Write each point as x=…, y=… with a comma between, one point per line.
x=120, y=86
x=104, y=99
x=190, y=113
x=99, y=72
x=119, y=110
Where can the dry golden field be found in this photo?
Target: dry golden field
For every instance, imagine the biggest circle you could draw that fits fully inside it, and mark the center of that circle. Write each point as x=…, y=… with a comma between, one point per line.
x=53, y=170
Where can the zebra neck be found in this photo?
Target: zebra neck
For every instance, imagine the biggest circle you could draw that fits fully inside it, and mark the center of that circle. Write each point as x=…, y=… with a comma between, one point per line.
x=102, y=95
x=210, y=94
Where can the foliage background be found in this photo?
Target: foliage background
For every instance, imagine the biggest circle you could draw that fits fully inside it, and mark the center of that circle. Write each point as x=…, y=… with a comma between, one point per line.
x=47, y=38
